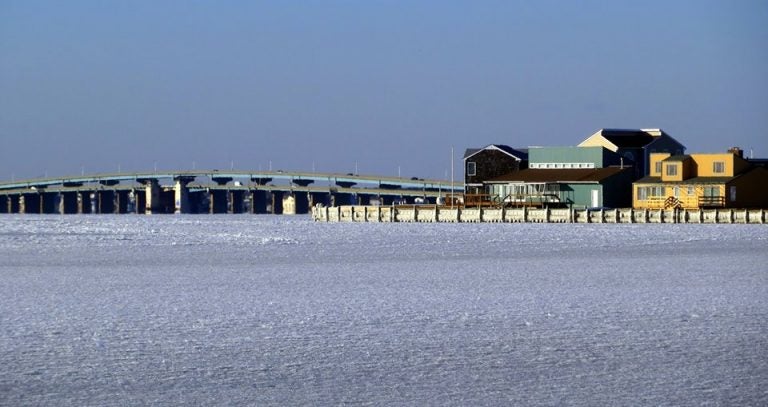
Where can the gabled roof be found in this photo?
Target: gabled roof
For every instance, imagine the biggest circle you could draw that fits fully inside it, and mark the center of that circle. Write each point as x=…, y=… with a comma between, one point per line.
x=627, y=138
x=514, y=153
x=533, y=175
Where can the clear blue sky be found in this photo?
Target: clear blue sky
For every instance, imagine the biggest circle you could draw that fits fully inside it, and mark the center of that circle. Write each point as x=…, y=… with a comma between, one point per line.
x=102, y=84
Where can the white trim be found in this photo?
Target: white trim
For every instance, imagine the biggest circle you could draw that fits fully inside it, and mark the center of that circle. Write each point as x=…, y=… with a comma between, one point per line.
x=581, y=165
x=493, y=147
x=473, y=165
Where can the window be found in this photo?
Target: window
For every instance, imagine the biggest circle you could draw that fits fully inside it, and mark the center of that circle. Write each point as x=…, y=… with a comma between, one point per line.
x=658, y=167
x=718, y=167
x=671, y=170
x=712, y=191
x=677, y=192
x=642, y=193
x=471, y=168
x=691, y=190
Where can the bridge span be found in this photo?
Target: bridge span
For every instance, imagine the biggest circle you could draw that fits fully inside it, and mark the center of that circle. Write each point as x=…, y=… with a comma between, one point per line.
x=212, y=191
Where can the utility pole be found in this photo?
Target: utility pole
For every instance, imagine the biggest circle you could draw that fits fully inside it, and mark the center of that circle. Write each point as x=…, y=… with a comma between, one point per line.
x=453, y=192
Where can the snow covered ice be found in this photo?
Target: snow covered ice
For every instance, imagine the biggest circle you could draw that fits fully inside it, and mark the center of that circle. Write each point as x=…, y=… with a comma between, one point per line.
x=278, y=310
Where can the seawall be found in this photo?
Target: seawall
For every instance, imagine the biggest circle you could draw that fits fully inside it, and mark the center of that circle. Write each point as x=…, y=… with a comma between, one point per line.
x=433, y=213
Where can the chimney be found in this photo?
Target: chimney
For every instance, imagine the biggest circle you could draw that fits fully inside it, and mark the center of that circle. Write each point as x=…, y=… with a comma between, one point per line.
x=736, y=151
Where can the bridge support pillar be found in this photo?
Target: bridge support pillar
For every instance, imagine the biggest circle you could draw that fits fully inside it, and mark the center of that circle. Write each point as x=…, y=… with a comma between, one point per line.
x=302, y=202
x=14, y=203
x=83, y=203
x=181, y=194
x=322, y=198
x=363, y=199
x=3, y=203
x=218, y=201
x=235, y=202
x=27, y=203
x=259, y=201
x=341, y=198
x=277, y=203
x=138, y=201
x=105, y=200
x=152, y=200
x=68, y=202
x=198, y=202
x=387, y=200
x=295, y=203
x=48, y=202
x=122, y=201
x=24, y=205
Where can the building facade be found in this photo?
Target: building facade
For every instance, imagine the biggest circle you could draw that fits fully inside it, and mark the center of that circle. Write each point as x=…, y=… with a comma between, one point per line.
x=489, y=162
x=582, y=177
x=721, y=180
x=634, y=147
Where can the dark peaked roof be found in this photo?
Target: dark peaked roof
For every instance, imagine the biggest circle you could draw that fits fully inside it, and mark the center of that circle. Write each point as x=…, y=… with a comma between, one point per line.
x=470, y=152
x=560, y=175
x=521, y=154
x=623, y=138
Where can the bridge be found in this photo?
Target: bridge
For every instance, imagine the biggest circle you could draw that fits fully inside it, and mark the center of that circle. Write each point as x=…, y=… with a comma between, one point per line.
x=212, y=191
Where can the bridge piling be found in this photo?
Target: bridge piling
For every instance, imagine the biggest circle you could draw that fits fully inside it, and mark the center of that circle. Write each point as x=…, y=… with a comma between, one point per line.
x=218, y=201
x=181, y=194
x=235, y=201
x=277, y=203
x=13, y=204
x=48, y=202
x=66, y=203
x=260, y=201
x=122, y=201
x=151, y=196
x=106, y=201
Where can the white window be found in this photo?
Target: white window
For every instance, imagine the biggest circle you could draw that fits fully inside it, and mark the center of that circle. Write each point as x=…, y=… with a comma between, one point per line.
x=471, y=168
x=642, y=193
x=671, y=170
x=718, y=167
x=658, y=167
x=691, y=190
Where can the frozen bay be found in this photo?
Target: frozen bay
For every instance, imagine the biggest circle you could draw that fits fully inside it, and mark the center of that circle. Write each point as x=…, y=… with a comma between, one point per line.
x=278, y=310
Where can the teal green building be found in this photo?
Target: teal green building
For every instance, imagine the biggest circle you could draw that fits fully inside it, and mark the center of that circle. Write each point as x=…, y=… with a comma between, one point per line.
x=579, y=177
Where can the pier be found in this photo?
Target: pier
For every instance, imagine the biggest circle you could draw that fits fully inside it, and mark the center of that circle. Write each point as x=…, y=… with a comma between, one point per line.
x=211, y=192
x=436, y=213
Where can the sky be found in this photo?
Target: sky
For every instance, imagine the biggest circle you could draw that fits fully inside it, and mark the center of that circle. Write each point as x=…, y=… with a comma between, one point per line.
x=384, y=87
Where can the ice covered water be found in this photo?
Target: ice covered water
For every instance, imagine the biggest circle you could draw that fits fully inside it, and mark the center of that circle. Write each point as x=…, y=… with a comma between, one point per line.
x=267, y=310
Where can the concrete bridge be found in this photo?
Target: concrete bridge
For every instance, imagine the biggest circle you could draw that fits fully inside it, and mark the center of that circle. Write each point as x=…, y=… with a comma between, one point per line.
x=212, y=191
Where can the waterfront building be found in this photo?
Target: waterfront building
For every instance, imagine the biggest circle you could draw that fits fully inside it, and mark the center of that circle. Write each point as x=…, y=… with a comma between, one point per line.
x=585, y=177
x=481, y=164
x=635, y=146
x=720, y=180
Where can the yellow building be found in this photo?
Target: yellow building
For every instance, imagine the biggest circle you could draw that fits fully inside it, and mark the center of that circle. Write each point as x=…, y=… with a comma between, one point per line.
x=724, y=180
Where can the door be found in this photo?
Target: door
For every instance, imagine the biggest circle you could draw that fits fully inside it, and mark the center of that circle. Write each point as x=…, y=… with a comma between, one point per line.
x=595, y=198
